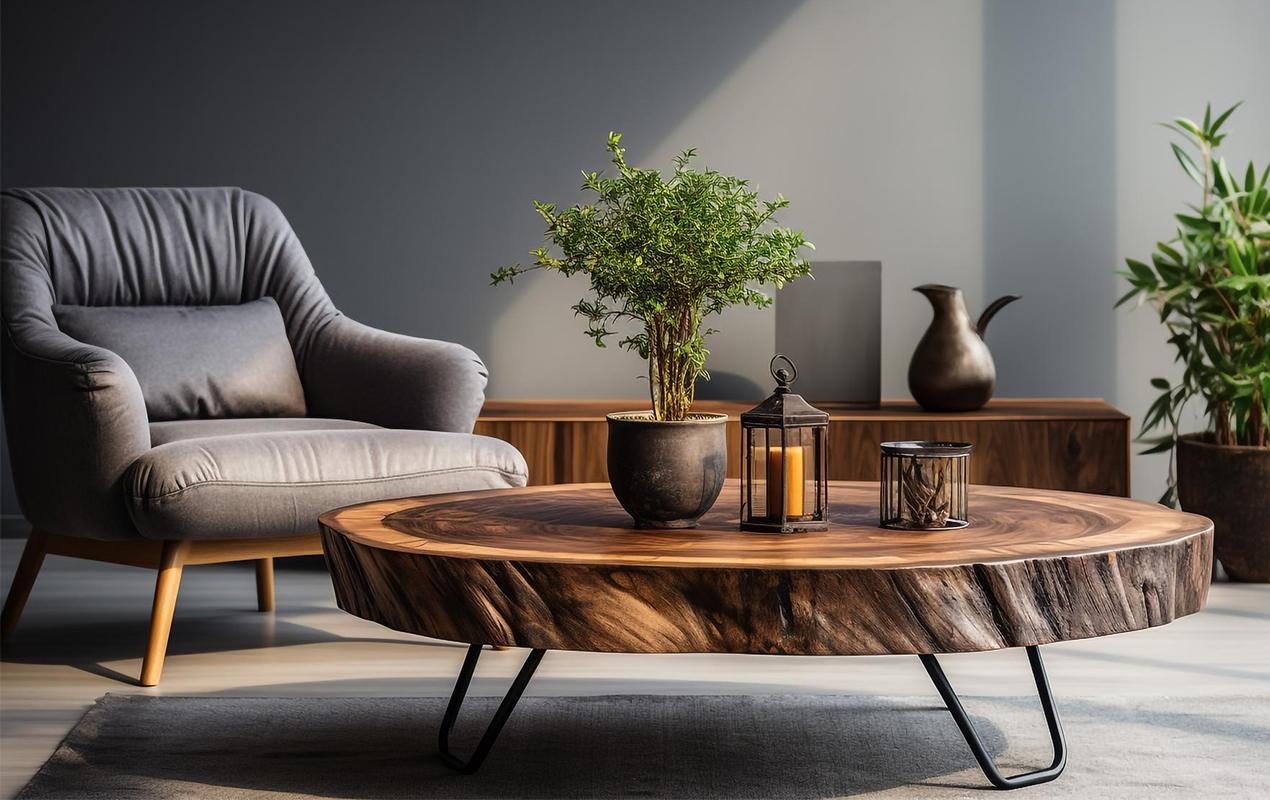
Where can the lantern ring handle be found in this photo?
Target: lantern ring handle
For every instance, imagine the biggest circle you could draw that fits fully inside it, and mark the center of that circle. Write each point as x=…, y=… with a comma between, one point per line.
x=789, y=376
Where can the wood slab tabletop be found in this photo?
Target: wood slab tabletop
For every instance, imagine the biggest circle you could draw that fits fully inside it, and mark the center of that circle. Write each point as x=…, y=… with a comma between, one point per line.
x=561, y=567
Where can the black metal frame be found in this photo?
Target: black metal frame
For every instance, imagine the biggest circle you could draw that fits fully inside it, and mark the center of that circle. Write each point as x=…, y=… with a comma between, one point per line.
x=474, y=761
x=986, y=763
x=936, y=672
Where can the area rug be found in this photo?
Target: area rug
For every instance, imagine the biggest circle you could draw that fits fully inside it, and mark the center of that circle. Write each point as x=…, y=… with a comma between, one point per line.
x=664, y=746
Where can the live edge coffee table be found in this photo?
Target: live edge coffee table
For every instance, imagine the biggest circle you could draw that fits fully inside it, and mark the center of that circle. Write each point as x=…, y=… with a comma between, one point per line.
x=561, y=568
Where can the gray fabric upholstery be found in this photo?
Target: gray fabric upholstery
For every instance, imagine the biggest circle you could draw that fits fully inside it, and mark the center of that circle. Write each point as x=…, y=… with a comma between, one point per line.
x=357, y=372
x=229, y=487
x=75, y=414
x=196, y=362
x=177, y=430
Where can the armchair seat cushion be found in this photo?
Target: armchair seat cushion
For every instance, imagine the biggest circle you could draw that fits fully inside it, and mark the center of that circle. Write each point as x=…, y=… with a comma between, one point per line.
x=276, y=482
x=176, y=430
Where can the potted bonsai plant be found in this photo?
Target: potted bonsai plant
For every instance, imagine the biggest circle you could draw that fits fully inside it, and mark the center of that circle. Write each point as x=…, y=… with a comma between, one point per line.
x=662, y=255
x=1211, y=286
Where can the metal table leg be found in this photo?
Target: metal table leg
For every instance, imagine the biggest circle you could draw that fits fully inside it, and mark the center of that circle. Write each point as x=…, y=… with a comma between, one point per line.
x=496, y=724
x=986, y=763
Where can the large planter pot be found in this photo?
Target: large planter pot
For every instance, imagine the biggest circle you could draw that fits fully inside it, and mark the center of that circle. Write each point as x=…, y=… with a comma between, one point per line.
x=1231, y=486
x=667, y=474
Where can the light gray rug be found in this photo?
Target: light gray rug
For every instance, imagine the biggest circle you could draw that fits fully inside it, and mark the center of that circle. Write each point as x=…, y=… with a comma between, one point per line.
x=640, y=746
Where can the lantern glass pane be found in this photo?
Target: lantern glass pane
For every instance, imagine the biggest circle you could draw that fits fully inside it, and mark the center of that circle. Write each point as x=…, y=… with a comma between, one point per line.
x=759, y=477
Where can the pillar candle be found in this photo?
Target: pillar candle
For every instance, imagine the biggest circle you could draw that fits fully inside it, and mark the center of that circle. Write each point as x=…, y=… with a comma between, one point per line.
x=793, y=481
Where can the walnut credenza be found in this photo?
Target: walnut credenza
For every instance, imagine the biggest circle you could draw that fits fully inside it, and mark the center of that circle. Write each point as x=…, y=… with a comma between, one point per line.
x=1077, y=445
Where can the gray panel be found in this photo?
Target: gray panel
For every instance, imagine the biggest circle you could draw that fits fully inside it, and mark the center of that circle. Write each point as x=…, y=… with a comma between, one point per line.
x=832, y=328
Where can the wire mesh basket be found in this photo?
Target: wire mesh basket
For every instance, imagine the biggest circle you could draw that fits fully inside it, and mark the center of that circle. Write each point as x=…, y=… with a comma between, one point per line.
x=924, y=485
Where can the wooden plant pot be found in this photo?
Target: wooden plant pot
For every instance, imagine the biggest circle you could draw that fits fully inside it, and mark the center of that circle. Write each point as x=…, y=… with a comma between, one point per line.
x=1231, y=486
x=667, y=474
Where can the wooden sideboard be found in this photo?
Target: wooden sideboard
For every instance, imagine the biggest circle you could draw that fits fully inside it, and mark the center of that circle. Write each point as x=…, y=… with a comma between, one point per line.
x=1078, y=445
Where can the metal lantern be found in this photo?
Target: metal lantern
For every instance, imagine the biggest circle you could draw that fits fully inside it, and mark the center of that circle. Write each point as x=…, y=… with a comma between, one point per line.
x=924, y=485
x=783, y=462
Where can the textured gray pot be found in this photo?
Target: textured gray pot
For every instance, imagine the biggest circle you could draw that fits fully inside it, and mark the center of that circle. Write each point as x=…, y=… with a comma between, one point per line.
x=667, y=474
x=1231, y=486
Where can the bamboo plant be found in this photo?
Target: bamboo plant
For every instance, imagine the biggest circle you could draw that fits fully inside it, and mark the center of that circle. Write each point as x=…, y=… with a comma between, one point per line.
x=665, y=254
x=1211, y=287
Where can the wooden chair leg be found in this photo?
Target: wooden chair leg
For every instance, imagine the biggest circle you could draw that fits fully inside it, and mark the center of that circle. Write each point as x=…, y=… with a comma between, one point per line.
x=23, y=580
x=169, y=582
x=264, y=584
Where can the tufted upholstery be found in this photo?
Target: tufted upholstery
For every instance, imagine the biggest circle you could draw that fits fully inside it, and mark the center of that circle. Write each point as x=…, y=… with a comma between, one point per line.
x=78, y=430
x=153, y=247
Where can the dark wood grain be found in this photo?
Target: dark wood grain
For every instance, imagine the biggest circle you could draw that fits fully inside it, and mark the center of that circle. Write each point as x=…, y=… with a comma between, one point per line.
x=1075, y=445
x=562, y=568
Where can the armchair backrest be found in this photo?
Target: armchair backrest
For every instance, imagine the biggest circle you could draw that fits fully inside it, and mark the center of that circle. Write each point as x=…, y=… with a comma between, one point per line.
x=153, y=247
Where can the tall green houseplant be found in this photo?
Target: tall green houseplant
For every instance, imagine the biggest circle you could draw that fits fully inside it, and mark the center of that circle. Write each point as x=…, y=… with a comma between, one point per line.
x=665, y=253
x=1211, y=287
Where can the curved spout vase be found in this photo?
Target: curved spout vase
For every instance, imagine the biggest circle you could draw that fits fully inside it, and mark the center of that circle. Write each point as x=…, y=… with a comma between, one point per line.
x=952, y=368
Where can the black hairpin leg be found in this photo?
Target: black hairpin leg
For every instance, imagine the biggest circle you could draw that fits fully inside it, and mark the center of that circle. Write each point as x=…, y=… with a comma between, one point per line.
x=972, y=737
x=496, y=724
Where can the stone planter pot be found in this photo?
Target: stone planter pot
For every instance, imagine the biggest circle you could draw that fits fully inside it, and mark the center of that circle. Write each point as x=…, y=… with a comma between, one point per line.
x=667, y=474
x=1231, y=486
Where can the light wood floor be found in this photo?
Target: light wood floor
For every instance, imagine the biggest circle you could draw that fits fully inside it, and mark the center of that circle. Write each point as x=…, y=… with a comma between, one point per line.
x=85, y=626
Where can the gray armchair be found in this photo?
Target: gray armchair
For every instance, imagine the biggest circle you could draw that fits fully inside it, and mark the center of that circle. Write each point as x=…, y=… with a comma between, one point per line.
x=179, y=389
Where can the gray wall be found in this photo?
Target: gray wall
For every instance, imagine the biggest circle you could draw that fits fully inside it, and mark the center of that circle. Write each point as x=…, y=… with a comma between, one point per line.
x=1003, y=146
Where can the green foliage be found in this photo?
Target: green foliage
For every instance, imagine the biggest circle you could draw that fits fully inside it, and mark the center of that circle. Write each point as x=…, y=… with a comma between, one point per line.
x=1211, y=287
x=666, y=254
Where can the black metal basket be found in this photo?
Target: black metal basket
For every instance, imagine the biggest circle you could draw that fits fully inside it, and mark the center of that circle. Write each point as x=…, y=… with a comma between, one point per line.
x=924, y=485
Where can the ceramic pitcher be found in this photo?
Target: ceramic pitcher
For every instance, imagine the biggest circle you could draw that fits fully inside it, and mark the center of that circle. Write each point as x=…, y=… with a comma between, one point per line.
x=952, y=369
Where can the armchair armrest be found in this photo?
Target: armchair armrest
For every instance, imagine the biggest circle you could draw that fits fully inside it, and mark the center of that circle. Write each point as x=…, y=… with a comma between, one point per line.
x=76, y=421
x=353, y=371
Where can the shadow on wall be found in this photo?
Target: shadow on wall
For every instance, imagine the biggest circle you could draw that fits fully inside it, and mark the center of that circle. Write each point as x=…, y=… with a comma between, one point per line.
x=403, y=140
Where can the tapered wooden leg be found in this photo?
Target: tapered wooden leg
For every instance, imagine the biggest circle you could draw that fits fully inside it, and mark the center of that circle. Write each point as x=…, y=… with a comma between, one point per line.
x=23, y=580
x=264, y=584
x=165, y=589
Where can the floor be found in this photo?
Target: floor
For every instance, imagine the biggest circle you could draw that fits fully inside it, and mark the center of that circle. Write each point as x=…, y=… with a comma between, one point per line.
x=85, y=625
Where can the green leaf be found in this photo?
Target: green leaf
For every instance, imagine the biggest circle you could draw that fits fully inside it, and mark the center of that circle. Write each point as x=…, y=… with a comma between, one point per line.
x=1208, y=117
x=1127, y=297
x=1222, y=117
x=1185, y=134
x=1244, y=281
x=1197, y=223
x=1190, y=126
x=1164, y=248
x=1162, y=447
x=1155, y=414
x=1232, y=256
x=1228, y=186
x=1141, y=271
x=1188, y=164
x=1160, y=383
x=1210, y=348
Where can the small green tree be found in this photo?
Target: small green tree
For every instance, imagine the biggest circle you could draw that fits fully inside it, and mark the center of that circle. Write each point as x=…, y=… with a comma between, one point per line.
x=1211, y=286
x=667, y=253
